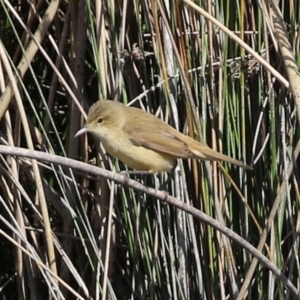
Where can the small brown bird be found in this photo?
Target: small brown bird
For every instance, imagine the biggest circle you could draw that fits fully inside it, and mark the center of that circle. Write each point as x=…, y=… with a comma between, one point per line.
x=142, y=141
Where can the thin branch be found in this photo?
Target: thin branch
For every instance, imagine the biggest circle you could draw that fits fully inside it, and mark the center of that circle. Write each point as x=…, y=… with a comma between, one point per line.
x=161, y=195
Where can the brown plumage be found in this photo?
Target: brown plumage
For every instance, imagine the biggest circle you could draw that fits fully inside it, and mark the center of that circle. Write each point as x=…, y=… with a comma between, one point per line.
x=142, y=141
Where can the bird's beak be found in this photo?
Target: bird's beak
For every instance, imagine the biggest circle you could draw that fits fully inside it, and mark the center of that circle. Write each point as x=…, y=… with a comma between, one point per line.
x=81, y=131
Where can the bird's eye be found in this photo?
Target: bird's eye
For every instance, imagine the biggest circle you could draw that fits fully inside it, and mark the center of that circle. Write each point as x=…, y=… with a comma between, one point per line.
x=100, y=120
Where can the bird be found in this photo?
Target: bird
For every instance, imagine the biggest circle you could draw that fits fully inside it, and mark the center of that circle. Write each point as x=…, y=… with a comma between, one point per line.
x=143, y=141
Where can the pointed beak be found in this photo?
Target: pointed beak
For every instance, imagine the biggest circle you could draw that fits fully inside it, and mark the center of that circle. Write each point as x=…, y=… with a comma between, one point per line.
x=81, y=131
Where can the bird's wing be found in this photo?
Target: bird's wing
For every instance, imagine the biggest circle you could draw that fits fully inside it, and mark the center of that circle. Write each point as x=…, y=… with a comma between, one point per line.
x=164, y=141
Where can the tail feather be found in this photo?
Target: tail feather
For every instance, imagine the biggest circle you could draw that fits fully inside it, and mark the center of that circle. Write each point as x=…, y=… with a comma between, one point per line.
x=205, y=152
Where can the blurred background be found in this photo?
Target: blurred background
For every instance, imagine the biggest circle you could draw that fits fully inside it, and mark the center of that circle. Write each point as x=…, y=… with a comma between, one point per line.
x=104, y=241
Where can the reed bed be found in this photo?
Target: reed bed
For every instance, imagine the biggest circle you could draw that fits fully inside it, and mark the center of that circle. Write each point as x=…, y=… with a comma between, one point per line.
x=223, y=72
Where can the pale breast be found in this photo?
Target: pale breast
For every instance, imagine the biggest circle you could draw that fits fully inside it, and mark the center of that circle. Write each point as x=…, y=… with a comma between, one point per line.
x=138, y=157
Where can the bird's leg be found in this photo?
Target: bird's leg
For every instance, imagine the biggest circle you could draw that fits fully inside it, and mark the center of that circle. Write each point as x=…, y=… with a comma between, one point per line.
x=142, y=178
x=147, y=173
